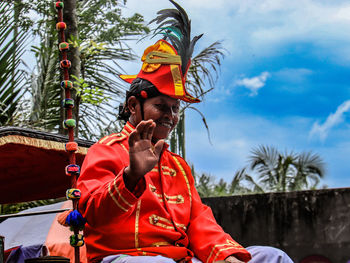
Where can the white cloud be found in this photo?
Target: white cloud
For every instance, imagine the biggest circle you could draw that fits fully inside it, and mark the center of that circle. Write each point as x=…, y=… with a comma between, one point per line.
x=260, y=28
x=293, y=75
x=254, y=83
x=333, y=119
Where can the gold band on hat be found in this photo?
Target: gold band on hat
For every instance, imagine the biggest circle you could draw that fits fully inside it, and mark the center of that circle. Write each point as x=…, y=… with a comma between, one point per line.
x=157, y=57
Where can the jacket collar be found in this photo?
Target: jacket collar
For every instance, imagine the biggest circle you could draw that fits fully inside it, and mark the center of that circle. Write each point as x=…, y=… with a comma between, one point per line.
x=128, y=128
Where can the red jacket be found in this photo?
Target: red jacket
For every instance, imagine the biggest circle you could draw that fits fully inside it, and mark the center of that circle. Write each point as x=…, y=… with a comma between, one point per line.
x=164, y=215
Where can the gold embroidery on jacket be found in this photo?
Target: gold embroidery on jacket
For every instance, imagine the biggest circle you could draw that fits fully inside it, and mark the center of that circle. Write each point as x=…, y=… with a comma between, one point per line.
x=186, y=179
x=220, y=250
x=114, y=199
x=152, y=188
x=103, y=139
x=110, y=139
x=164, y=223
x=230, y=245
x=160, y=221
x=137, y=219
x=127, y=125
x=168, y=171
x=111, y=142
x=174, y=199
x=154, y=191
x=123, y=146
x=119, y=194
x=159, y=244
x=236, y=245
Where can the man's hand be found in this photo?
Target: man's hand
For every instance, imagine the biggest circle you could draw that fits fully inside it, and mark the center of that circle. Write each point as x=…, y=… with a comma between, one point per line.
x=230, y=259
x=142, y=154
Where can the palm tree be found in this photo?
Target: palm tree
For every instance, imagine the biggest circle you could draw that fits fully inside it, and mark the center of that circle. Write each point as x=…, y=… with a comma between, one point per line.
x=310, y=168
x=101, y=45
x=242, y=183
x=11, y=77
x=286, y=172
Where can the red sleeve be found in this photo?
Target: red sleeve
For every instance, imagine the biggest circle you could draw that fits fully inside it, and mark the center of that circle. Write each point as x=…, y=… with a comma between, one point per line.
x=101, y=182
x=207, y=239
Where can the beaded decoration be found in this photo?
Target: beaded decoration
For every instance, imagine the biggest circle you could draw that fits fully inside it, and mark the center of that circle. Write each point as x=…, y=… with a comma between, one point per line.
x=72, y=170
x=71, y=146
x=73, y=219
x=77, y=240
x=67, y=84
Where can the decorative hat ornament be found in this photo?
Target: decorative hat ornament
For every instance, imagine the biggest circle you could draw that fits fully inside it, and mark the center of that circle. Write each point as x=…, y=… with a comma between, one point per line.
x=165, y=64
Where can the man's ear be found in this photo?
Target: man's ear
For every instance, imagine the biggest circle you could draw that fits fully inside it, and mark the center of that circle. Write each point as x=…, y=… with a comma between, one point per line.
x=132, y=103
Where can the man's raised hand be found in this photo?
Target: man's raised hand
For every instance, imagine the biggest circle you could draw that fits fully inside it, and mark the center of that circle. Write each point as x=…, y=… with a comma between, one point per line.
x=142, y=154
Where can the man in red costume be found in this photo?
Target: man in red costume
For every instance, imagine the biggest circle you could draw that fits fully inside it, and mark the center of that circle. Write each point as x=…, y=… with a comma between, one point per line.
x=139, y=198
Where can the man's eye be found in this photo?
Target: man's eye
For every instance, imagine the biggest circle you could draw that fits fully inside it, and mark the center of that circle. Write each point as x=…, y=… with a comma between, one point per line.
x=176, y=109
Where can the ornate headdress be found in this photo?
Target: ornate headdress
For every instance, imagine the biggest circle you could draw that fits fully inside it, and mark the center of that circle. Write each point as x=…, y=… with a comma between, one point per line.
x=165, y=64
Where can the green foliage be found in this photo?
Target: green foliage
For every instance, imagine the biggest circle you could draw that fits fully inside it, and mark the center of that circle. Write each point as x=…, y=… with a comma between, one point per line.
x=204, y=69
x=102, y=45
x=11, y=77
x=286, y=172
x=269, y=171
x=89, y=95
x=103, y=34
x=207, y=186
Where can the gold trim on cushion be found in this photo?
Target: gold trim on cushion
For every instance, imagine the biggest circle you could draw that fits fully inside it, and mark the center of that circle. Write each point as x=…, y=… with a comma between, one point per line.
x=39, y=143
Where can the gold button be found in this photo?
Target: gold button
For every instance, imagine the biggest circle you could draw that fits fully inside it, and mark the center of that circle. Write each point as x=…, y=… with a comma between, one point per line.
x=172, y=172
x=184, y=228
x=119, y=135
x=179, y=199
x=155, y=220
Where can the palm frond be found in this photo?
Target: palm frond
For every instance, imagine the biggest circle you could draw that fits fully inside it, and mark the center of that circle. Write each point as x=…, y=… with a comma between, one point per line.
x=11, y=77
x=175, y=25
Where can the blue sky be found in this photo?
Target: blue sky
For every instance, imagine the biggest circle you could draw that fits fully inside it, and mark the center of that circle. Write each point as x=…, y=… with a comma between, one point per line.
x=285, y=82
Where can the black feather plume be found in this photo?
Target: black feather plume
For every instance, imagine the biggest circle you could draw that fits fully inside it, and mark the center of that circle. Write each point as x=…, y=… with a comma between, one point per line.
x=176, y=27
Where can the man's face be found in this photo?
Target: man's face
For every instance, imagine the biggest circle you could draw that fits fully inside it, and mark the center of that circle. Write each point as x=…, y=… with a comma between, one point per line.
x=164, y=111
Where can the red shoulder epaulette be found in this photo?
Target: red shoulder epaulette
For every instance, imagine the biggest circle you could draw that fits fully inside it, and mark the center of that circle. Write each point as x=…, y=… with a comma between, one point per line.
x=113, y=138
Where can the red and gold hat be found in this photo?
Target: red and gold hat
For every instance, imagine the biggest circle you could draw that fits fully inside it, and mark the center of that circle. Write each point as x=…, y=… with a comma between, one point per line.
x=165, y=65
x=162, y=67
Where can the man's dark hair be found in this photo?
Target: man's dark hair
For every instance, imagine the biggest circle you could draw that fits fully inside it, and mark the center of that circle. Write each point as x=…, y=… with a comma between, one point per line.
x=138, y=85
